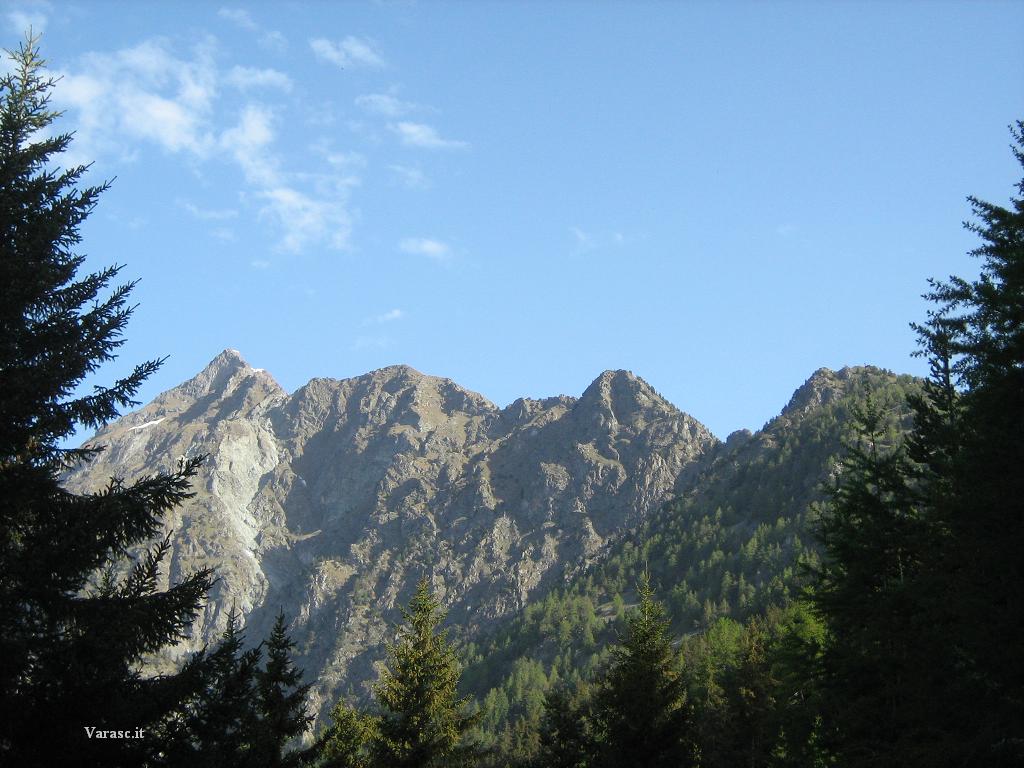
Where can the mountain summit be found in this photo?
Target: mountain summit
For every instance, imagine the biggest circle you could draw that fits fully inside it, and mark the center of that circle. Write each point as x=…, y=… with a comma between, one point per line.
x=333, y=500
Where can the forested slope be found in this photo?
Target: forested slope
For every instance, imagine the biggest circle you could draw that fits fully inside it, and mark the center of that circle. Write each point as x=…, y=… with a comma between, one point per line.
x=732, y=546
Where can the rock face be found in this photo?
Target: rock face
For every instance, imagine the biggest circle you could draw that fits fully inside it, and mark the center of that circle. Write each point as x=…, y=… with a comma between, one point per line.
x=331, y=502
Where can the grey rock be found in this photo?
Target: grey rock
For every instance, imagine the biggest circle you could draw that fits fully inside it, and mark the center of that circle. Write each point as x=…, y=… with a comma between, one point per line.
x=331, y=502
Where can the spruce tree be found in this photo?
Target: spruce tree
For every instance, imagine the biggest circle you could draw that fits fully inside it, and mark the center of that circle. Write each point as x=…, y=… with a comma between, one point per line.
x=641, y=707
x=424, y=722
x=71, y=641
x=873, y=534
x=567, y=738
x=922, y=586
x=970, y=445
x=348, y=742
x=281, y=700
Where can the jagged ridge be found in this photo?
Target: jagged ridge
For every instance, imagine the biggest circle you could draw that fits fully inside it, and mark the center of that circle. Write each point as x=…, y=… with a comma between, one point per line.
x=330, y=502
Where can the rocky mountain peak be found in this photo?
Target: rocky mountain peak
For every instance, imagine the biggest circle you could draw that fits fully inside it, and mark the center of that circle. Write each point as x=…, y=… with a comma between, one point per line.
x=622, y=398
x=825, y=385
x=216, y=377
x=332, y=500
x=820, y=389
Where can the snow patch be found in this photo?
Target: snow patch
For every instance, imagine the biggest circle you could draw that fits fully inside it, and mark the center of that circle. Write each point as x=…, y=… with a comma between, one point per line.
x=147, y=424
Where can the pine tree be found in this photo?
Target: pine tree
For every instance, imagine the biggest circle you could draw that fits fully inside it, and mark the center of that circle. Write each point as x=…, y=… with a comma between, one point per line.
x=641, y=708
x=424, y=722
x=71, y=642
x=282, y=699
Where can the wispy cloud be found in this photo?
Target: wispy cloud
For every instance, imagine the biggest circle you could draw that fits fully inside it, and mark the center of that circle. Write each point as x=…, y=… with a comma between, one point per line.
x=270, y=39
x=248, y=142
x=208, y=214
x=425, y=246
x=390, y=316
x=585, y=242
x=152, y=95
x=424, y=136
x=384, y=104
x=350, y=52
x=306, y=219
x=260, y=264
x=411, y=178
x=30, y=16
x=143, y=93
x=240, y=17
x=785, y=229
x=246, y=78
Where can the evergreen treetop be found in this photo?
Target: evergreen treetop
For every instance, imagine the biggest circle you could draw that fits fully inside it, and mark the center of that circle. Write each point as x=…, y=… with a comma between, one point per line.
x=424, y=720
x=641, y=702
x=71, y=641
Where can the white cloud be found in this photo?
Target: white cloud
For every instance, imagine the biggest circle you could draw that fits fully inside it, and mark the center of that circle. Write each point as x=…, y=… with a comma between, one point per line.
x=259, y=264
x=142, y=93
x=245, y=78
x=273, y=40
x=785, y=230
x=269, y=39
x=340, y=160
x=350, y=52
x=239, y=17
x=591, y=241
x=208, y=214
x=307, y=220
x=424, y=246
x=151, y=95
x=248, y=142
x=424, y=136
x=384, y=104
x=412, y=178
x=387, y=317
x=21, y=20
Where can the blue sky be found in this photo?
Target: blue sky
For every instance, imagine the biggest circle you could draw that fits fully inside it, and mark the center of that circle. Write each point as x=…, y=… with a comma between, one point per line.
x=719, y=197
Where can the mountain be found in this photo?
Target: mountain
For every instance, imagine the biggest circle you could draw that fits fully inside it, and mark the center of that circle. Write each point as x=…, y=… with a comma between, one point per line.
x=733, y=542
x=531, y=521
x=330, y=502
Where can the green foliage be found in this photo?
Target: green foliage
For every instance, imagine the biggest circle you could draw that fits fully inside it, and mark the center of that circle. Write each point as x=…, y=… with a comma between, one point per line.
x=750, y=686
x=567, y=737
x=281, y=700
x=737, y=545
x=71, y=638
x=423, y=721
x=921, y=590
x=640, y=709
x=972, y=452
x=874, y=535
x=349, y=740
